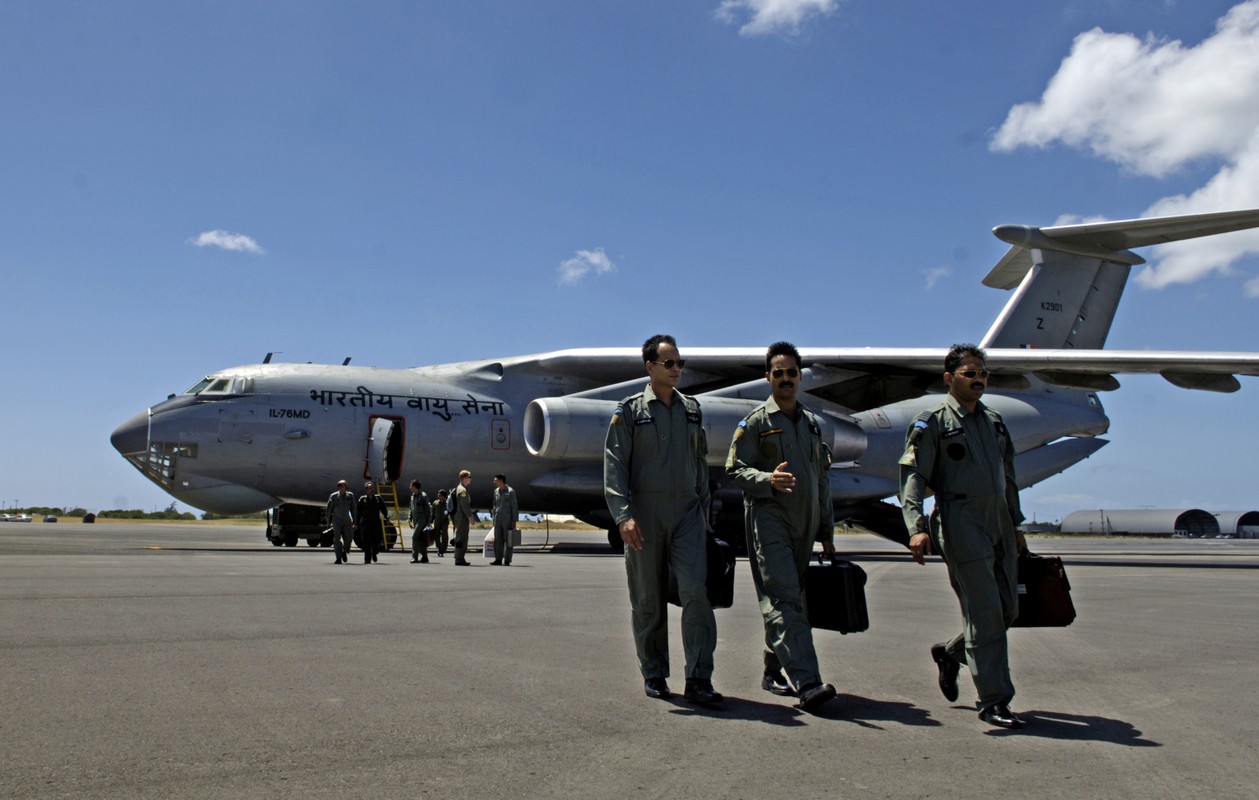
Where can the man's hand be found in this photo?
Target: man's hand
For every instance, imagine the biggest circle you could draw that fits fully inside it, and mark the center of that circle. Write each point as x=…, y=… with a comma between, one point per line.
x=919, y=546
x=630, y=535
x=781, y=480
x=1020, y=541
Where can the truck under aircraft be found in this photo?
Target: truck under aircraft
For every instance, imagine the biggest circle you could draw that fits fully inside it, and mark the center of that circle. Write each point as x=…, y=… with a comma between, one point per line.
x=248, y=438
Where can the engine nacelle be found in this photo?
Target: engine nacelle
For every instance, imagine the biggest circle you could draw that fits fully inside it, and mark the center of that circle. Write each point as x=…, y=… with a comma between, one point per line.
x=576, y=428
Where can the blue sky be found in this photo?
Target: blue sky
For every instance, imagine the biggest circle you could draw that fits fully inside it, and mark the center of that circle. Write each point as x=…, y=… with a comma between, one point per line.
x=187, y=186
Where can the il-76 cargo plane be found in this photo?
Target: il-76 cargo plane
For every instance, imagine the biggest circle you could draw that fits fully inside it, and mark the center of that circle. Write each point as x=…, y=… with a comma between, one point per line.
x=248, y=438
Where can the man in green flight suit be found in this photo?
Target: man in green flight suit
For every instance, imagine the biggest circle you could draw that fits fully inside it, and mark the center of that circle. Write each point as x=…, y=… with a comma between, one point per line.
x=462, y=518
x=963, y=452
x=505, y=512
x=780, y=462
x=655, y=481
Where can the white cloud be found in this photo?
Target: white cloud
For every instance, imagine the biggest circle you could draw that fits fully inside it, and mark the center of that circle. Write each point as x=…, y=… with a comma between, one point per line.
x=935, y=275
x=227, y=240
x=1156, y=107
x=583, y=263
x=772, y=16
x=1252, y=288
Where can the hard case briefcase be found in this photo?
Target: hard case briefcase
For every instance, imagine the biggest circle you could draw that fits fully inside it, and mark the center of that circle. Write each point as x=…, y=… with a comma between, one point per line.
x=835, y=596
x=1044, y=593
x=720, y=580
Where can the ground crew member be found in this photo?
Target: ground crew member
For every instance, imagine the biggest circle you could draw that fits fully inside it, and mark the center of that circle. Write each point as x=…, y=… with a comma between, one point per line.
x=368, y=524
x=506, y=514
x=780, y=462
x=421, y=519
x=441, y=523
x=655, y=481
x=963, y=452
x=462, y=518
x=341, y=517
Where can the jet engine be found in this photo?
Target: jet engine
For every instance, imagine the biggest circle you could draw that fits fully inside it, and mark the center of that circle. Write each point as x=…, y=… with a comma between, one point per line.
x=574, y=428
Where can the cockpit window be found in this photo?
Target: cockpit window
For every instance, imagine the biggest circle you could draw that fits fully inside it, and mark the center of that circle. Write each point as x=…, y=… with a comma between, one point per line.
x=223, y=386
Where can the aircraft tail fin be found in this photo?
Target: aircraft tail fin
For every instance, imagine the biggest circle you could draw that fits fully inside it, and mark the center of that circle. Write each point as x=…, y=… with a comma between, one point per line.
x=1070, y=278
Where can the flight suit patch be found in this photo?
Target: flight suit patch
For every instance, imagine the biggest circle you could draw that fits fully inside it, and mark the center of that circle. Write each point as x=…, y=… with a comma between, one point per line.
x=644, y=421
x=956, y=451
x=693, y=417
x=910, y=458
x=770, y=432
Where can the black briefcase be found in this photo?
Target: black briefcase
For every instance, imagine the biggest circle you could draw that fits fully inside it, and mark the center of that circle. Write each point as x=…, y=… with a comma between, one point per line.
x=1044, y=593
x=720, y=580
x=835, y=596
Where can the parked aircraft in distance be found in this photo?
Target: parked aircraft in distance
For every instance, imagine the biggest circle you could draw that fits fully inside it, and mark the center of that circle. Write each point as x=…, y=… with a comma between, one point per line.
x=247, y=438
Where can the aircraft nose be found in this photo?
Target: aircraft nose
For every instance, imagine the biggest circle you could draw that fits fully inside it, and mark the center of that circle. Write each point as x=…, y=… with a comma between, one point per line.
x=132, y=436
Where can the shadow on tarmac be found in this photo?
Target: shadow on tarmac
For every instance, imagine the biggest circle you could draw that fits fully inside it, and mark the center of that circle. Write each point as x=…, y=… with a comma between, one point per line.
x=1077, y=728
x=860, y=711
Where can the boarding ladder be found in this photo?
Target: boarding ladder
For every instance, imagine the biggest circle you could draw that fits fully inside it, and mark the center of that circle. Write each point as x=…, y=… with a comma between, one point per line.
x=389, y=493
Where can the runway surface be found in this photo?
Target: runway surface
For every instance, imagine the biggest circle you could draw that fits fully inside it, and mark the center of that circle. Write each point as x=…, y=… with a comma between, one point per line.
x=176, y=661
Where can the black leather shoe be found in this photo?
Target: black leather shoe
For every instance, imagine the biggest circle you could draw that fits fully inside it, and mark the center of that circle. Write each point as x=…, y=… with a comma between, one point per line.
x=948, y=672
x=777, y=683
x=424, y=560
x=496, y=563
x=415, y=561
x=701, y=692
x=1001, y=716
x=657, y=688
x=812, y=698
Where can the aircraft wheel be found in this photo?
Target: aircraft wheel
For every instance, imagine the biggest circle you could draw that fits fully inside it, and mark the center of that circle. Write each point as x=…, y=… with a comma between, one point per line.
x=290, y=541
x=614, y=539
x=275, y=542
x=312, y=542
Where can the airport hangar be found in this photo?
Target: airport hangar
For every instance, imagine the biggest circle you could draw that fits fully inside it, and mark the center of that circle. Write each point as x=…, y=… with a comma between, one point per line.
x=1192, y=522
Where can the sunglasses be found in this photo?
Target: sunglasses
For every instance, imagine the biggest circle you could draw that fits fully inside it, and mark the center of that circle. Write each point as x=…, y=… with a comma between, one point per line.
x=970, y=374
x=670, y=363
x=790, y=372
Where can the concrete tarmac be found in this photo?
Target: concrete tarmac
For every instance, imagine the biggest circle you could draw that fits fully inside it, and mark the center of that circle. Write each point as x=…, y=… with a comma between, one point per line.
x=175, y=661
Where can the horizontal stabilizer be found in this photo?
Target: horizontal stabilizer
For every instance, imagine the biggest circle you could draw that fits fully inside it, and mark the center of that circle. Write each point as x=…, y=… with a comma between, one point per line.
x=1108, y=241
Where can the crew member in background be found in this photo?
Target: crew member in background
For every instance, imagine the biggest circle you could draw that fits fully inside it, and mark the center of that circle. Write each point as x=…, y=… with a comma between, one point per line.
x=421, y=519
x=368, y=522
x=462, y=518
x=341, y=518
x=506, y=515
x=441, y=523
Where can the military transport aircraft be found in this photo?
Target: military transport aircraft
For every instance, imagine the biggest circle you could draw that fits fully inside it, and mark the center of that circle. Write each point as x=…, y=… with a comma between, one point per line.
x=247, y=438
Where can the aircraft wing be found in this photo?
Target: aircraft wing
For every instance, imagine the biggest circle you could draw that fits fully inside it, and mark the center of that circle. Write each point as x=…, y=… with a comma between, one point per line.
x=861, y=378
